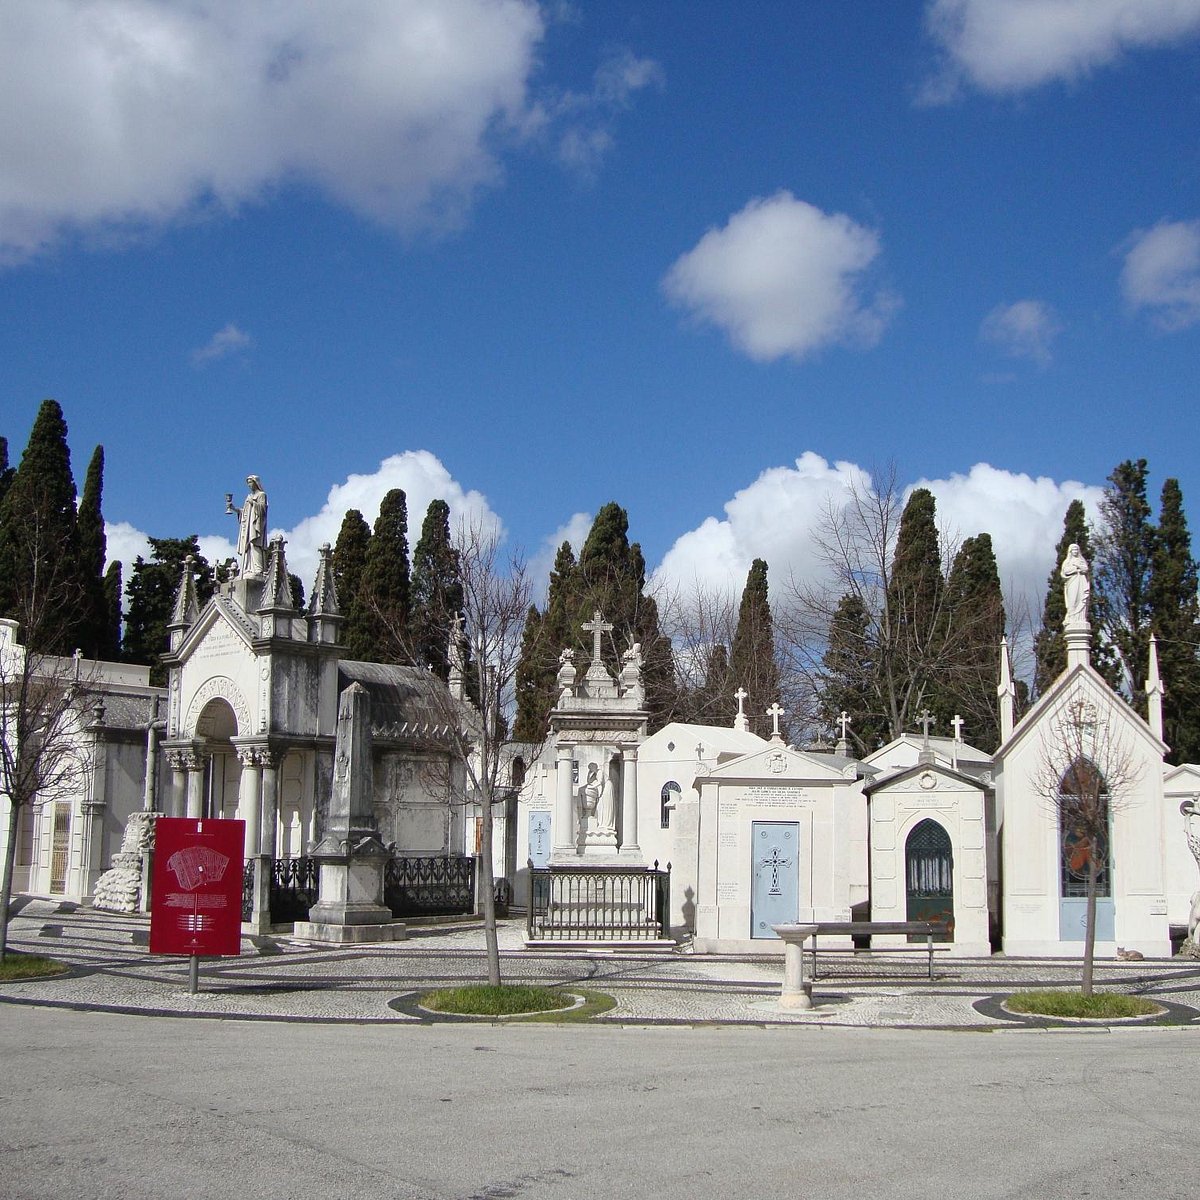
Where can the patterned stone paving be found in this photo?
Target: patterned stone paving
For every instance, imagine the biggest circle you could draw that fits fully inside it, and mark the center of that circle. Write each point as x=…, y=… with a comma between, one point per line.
x=279, y=978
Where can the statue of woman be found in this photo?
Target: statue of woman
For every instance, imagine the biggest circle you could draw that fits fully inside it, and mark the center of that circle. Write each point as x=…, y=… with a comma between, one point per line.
x=1077, y=589
x=252, y=530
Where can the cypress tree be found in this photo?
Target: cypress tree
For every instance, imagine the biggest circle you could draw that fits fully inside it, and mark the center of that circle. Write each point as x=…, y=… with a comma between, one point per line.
x=1122, y=573
x=111, y=647
x=152, y=588
x=6, y=472
x=714, y=701
x=349, y=557
x=380, y=610
x=1175, y=616
x=752, y=660
x=913, y=630
x=39, y=548
x=975, y=624
x=437, y=590
x=94, y=622
x=546, y=634
x=849, y=678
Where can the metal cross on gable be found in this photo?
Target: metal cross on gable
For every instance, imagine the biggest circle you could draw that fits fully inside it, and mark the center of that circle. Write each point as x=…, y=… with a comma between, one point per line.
x=597, y=627
x=775, y=712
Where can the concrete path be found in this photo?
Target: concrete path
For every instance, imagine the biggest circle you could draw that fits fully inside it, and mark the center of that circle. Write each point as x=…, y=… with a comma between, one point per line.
x=280, y=979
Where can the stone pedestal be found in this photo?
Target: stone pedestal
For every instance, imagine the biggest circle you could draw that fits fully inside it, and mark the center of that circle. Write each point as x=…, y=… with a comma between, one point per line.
x=260, y=912
x=795, y=994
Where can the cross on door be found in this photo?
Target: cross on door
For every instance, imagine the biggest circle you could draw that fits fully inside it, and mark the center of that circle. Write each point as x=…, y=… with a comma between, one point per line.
x=775, y=861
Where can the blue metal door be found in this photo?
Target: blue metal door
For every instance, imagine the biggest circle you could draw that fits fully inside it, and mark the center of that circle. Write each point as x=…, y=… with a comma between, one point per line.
x=775, y=876
x=539, y=839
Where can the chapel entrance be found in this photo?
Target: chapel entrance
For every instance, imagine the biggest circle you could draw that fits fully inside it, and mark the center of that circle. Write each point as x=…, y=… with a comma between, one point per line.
x=775, y=876
x=60, y=847
x=929, y=878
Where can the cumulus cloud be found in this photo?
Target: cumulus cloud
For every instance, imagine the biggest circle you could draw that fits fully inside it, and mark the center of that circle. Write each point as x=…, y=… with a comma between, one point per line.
x=421, y=475
x=1008, y=46
x=777, y=516
x=541, y=563
x=1025, y=329
x=123, y=114
x=226, y=341
x=1161, y=273
x=782, y=278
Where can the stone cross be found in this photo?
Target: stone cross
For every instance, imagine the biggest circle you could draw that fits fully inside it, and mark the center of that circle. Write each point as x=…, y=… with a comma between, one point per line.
x=597, y=627
x=925, y=720
x=958, y=727
x=775, y=712
x=844, y=724
x=741, y=695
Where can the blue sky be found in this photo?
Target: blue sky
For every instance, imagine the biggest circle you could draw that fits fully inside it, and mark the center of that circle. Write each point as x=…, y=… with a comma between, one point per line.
x=710, y=260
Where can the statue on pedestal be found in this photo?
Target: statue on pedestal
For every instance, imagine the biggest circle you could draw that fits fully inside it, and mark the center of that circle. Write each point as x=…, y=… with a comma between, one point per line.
x=252, y=529
x=1077, y=588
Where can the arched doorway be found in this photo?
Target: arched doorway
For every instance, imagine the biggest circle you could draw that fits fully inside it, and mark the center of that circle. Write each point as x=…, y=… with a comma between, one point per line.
x=929, y=877
x=216, y=727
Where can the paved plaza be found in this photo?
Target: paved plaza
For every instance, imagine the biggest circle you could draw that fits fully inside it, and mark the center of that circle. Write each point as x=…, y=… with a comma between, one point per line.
x=280, y=978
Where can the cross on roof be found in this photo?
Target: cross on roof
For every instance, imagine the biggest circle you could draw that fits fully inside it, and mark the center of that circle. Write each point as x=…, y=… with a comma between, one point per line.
x=741, y=696
x=775, y=712
x=958, y=727
x=926, y=719
x=844, y=724
x=597, y=627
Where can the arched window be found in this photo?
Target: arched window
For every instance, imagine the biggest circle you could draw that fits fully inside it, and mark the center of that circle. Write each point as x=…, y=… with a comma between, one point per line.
x=518, y=772
x=1083, y=830
x=929, y=877
x=668, y=797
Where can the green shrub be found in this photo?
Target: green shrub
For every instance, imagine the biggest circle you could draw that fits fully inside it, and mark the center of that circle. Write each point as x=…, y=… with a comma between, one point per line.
x=1100, y=1006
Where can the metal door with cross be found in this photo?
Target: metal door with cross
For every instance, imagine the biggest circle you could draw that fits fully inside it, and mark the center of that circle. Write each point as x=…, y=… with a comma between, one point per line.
x=774, y=876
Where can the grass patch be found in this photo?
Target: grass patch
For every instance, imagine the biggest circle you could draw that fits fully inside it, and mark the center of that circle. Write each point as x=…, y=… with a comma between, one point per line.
x=593, y=1004
x=484, y=1000
x=1100, y=1006
x=30, y=966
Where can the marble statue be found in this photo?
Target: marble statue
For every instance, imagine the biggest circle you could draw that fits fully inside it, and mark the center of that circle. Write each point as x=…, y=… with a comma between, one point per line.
x=596, y=802
x=252, y=529
x=1190, y=810
x=1077, y=589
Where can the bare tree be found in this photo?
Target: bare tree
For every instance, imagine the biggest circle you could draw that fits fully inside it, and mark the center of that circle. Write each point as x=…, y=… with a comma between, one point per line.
x=42, y=751
x=1085, y=772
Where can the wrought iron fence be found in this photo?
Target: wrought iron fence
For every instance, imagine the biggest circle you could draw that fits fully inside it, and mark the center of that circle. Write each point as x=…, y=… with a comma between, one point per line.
x=294, y=887
x=248, y=890
x=599, y=904
x=430, y=887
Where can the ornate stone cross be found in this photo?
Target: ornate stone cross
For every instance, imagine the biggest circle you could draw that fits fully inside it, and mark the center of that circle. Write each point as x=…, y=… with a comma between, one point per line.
x=597, y=627
x=925, y=719
x=775, y=712
x=741, y=696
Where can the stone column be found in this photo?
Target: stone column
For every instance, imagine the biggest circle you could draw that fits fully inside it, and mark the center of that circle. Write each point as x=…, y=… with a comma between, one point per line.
x=564, y=802
x=250, y=796
x=177, y=799
x=195, y=784
x=270, y=758
x=629, y=804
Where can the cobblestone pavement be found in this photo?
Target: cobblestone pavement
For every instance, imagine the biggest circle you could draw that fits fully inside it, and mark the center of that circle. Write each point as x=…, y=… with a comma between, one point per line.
x=279, y=978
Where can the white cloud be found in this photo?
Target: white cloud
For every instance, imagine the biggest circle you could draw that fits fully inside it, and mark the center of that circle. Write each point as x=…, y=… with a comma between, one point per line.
x=224, y=342
x=541, y=563
x=1007, y=46
x=783, y=278
x=1162, y=273
x=1025, y=329
x=123, y=114
x=776, y=516
x=419, y=473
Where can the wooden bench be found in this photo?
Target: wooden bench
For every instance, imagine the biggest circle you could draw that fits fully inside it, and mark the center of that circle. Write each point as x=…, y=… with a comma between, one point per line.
x=928, y=929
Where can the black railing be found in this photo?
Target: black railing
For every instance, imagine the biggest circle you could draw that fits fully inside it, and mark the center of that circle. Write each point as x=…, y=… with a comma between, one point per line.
x=599, y=904
x=248, y=890
x=294, y=886
x=430, y=887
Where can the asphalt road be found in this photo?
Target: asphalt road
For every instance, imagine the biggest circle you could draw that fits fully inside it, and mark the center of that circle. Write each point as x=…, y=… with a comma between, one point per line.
x=97, y=1105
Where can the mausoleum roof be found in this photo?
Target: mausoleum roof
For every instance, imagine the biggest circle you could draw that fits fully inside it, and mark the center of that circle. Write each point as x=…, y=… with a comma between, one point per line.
x=405, y=701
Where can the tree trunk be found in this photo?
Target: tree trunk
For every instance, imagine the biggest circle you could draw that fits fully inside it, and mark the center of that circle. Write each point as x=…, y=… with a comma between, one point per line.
x=487, y=888
x=1089, y=937
x=10, y=858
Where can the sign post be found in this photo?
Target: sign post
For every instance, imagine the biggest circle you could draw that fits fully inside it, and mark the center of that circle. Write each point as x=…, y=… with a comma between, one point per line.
x=197, y=889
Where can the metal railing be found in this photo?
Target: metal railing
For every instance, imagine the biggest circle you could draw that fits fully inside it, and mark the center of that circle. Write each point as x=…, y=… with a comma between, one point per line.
x=295, y=883
x=626, y=904
x=430, y=887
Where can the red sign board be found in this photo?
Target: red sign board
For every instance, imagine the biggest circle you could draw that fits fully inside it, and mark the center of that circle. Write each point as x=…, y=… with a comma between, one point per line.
x=196, y=894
